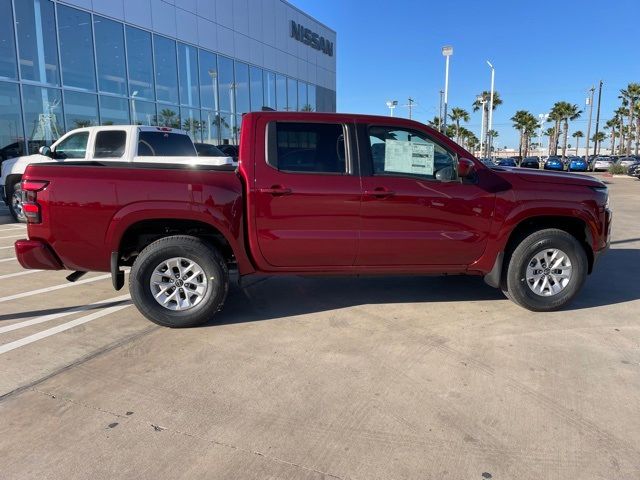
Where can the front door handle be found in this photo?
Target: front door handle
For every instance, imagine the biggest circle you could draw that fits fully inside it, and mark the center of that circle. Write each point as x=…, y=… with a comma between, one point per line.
x=379, y=192
x=276, y=190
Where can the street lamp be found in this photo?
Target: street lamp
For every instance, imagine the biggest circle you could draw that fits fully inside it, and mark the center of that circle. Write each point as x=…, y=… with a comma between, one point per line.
x=489, y=131
x=480, y=99
x=133, y=106
x=392, y=104
x=543, y=118
x=447, y=51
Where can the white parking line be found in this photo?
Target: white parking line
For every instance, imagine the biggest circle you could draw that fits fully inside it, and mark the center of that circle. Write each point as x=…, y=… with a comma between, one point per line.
x=19, y=274
x=12, y=259
x=6, y=248
x=12, y=236
x=59, y=328
x=55, y=287
x=24, y=229
x=54, y=316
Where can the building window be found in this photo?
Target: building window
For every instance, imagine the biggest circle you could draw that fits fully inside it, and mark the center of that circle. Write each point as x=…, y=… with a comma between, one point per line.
x=80, y=110
x=168, y=116
x=208, y=80
x=269, y=80
x=227, y=127
x=8, y=68
x=166, y=69
x=114, y=111
x=76, y=48
x=303, y=105
x=42, y=116
x=211, y=127
x=226, y=87
x=257, y=101
x=38, y=54
x=188, y=74
x=191, y=123
x=139, y=54
x=281, y=92
x=110, y=57
x=11, y=134
x=292, y=95
x=242, y=88
x=311, y=98
x=143, y=113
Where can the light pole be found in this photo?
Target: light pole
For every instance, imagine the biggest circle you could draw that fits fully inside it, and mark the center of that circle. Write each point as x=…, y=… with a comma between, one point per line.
x=595, y=142
x=392, y=104
x=489, y=131
x=133, y=107
x=481, y=101
x=447, y=51
x=543, y=118
x=589, y=103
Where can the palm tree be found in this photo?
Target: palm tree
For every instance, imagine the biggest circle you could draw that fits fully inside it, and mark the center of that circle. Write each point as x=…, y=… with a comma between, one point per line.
x=485, y=98
x=620, y=113
x=564, y=112
x=631, y=95
x=456, y=115
x=612, y=124
x=598, y=138
x=525, y=123
x=551, y=133
x=577, y=135
x=435, y=123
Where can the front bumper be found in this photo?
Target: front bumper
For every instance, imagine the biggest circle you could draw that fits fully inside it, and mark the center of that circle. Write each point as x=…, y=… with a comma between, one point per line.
x=34, y=254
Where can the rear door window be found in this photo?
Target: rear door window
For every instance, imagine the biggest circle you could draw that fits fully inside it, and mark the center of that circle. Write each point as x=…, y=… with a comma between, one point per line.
x=110, y=144
x=309, y=148
x=165, y=144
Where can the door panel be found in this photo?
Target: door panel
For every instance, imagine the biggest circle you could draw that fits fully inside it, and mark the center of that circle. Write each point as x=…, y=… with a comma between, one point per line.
x=308, y=217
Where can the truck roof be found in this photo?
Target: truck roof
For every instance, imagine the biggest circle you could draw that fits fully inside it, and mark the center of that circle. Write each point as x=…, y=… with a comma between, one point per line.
x=142, y=128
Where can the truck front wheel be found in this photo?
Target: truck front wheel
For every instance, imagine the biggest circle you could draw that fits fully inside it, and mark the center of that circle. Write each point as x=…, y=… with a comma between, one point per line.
x=179, y=281
x=546, y=270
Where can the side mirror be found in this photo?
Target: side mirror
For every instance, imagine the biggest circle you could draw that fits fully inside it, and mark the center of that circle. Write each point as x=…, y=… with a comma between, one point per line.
x=466, y=168
x=45, y=150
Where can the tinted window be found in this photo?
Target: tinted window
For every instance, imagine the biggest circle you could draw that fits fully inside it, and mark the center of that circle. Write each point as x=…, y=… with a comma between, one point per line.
x=110, y=144
x=310, y=147
x=38, y=54
x=165, y=144
x=114, y=111
x=257, y=102
x=281, y=92
x=292, y=95
x=112, y=73
x=80, y=110
x=188, y=68
x=206, y=150
x=242, y=88
x=139, y=54
x=226, y=90
x=74, y=146
x=208, y=80
x=166, y=68
x=396, y=151
x=76, y=48
x=7, y=43
x=11, y=139
x=269, y=80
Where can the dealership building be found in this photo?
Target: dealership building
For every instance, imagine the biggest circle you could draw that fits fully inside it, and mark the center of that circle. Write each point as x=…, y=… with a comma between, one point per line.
x=193, y=64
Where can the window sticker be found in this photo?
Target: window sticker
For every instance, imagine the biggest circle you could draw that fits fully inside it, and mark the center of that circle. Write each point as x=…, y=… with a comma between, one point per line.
x=409, y=157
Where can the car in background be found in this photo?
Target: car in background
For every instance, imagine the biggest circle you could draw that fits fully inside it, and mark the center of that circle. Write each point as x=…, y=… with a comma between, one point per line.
x=230, y=150
x=602, y=164
x=554, y=163
x=488, y=162
x=531, y=162
x=208, y=150
x=634, y=170
x=626, y=161
x=507, y=162
x=577, y=164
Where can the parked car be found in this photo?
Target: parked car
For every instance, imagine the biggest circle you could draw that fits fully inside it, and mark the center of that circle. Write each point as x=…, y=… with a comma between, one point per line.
x=602, y=164
x=488, y=162
x=577, y=164
x=208, y=150
x=626, y=161
x=122, y=143
x=316, y=208
x=507, y=162
x=230, y=150
x=531, y=162
x=554, y=163
x=634, y=170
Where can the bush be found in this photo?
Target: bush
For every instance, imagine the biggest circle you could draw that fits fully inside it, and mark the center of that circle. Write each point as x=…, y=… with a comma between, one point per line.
x=616, y=169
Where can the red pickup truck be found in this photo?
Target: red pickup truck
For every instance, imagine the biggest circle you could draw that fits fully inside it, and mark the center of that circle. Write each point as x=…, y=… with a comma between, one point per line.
x=316, y=194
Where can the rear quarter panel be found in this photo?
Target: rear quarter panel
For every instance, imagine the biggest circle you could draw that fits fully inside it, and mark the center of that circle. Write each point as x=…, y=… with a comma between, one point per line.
x=86, y=210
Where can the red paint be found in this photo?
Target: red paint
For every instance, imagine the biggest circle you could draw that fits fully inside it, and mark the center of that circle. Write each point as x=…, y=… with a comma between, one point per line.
x=35, y=254
x=281, y=222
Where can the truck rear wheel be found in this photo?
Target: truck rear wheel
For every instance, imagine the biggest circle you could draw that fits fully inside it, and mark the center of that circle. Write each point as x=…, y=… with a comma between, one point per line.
x=14, y=197
x=546, y=270
x=179, y=281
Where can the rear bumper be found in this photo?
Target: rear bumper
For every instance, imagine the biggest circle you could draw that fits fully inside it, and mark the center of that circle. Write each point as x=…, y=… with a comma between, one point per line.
x=33, y=254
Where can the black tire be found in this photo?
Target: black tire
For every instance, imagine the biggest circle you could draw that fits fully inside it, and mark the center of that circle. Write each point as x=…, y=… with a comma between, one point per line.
x=515, y=281
x=13, y=203
x=193, y=249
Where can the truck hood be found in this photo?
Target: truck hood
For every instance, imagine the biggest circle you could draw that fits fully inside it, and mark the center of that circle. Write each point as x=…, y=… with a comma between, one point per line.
x=561, y=178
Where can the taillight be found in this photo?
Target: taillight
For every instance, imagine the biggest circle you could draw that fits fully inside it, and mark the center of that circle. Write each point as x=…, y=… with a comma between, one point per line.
x=30, y=207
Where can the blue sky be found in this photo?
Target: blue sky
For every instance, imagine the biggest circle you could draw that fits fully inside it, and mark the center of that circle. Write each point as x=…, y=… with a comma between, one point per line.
x=543, y=52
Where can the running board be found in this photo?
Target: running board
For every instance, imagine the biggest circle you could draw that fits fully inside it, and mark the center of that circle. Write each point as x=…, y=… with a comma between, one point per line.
x=76, y=276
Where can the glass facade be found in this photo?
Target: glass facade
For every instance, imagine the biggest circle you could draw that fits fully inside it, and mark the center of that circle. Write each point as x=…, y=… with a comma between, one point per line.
x=62, y=68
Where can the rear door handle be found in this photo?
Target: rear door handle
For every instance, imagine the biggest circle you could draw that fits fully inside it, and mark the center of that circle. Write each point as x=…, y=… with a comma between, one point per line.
x=379, y=192
x=276, y=190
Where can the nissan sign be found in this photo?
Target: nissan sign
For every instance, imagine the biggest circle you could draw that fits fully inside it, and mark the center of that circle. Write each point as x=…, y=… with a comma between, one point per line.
x=310, y=38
